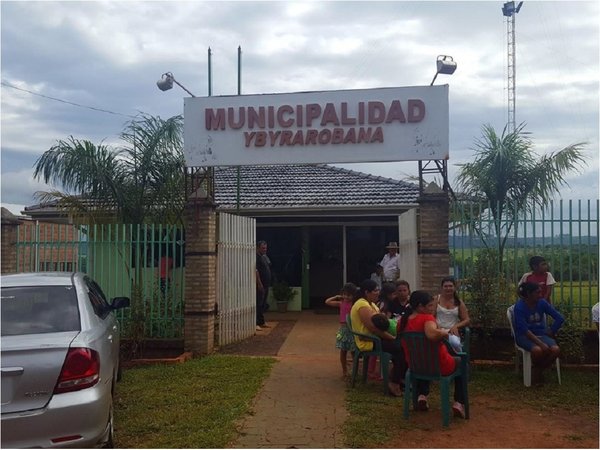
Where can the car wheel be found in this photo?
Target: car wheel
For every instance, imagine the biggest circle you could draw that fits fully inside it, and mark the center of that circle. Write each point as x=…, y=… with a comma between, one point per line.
x=109, y=440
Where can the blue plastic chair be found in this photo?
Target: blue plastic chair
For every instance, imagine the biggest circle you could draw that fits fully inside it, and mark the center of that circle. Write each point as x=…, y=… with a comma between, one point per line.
x=377, y=351
x=424, y=364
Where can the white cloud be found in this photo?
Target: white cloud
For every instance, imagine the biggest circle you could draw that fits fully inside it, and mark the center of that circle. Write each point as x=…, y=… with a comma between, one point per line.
x=109, y=55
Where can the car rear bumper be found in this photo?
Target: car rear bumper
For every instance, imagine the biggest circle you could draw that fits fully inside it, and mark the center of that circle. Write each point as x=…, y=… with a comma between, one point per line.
x=82, y=413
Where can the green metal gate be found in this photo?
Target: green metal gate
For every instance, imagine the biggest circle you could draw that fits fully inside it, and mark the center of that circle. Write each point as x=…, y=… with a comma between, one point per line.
x=143, y=262
x=566, y=234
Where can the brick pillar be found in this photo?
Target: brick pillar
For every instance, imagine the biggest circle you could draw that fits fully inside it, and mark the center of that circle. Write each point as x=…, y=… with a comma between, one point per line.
x=8, y=243
x=200, y=276
x=434, y=254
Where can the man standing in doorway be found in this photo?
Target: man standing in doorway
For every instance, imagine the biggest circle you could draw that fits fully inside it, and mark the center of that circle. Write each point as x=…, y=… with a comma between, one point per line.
x=391, y=271
x=263, y=281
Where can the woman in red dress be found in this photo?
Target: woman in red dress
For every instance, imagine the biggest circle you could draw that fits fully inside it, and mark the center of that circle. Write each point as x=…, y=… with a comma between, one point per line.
x=419, y=317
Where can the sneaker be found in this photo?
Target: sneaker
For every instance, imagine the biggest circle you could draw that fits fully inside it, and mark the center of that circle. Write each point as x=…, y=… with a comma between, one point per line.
x=458, y=409
x=422, y=404
x=258, y=328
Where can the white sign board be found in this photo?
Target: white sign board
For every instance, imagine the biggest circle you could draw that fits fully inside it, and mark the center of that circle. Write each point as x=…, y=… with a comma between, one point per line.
x=366, y=125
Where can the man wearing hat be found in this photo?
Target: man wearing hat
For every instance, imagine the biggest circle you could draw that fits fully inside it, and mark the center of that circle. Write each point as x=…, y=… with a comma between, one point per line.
x=391, y=272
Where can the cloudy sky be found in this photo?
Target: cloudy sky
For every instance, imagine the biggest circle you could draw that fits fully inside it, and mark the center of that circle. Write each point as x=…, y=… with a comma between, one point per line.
x=107, y=57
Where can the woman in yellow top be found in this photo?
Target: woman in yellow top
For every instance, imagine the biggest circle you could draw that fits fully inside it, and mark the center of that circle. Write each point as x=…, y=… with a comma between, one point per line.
x=360, y=314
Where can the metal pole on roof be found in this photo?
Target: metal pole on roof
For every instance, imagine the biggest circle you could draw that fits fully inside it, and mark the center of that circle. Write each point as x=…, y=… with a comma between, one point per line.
x=209, y=72
x=239, y=93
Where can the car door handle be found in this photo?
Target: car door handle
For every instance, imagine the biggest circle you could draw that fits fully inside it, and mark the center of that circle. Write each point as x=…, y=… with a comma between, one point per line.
x=12, y=370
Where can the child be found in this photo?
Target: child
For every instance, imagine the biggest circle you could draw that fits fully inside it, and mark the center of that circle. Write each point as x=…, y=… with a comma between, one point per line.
x=381, y=322
x=377, y=276
x=344, y=339
x=539, y=274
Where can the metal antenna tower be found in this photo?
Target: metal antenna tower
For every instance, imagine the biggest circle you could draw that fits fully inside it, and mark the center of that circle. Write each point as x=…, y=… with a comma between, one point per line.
x=509, y=11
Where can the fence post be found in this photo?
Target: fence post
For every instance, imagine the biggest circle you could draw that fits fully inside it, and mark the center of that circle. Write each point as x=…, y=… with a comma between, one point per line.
x=200, y=275
x=434, y=254
x=9, y=224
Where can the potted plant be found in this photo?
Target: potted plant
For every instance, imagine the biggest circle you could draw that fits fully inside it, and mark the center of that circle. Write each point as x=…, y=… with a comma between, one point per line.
x=282, y=294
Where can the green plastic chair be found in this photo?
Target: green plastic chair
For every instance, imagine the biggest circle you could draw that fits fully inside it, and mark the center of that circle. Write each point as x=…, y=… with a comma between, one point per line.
x=377, y=351
x=424, y=364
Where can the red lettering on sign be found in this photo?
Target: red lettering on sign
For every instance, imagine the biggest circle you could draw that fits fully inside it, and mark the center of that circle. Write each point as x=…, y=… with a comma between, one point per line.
x=338, y=136
x=345, y=119
x=256, y=118
x=286, y=138
x=377, y=136
x=350, y=136
x=313, y=110
x=298, y=138
x=261, y=139
x=329, y=115
x=248, y=137
x=214, y=121
x=395, y=113
x=285, y=109
x=273, y=135
x=311, y=137
x=416, y=110
x=231, y=119
x=376, y=112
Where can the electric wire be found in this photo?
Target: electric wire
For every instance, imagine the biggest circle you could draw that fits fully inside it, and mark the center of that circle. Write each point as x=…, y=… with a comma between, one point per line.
x=4, y=83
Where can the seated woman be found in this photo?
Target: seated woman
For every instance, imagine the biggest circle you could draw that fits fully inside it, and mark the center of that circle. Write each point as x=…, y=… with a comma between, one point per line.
x=531, y=332
x=387, y=295
x=420, y=319
x=396, y=307
x=360, y=314
x=451, y=313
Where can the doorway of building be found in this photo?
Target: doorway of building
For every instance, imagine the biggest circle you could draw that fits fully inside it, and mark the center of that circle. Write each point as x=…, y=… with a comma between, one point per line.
x=365, y=247
x=326, y=274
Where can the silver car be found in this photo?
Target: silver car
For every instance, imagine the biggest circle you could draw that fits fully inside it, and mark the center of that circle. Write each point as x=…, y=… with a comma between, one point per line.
x=60, y=361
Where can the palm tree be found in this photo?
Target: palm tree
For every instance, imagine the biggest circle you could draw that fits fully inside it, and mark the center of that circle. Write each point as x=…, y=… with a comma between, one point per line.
x=506, y=176
x=140, y=182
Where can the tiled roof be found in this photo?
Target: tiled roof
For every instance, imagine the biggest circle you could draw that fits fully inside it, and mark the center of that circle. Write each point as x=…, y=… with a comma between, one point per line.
x=298, y=189
x=309, y=186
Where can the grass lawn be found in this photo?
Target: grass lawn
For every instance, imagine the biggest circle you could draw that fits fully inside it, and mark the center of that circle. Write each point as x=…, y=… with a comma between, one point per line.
x=374, y=420
x=189, y=405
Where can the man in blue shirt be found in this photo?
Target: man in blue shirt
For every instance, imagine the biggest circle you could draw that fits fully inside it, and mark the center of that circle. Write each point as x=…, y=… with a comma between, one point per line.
x=531, y=332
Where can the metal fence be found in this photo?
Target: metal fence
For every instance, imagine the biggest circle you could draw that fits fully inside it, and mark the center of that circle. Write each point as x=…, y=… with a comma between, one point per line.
x=143, y=262
x=236, y=278
x=484, y=250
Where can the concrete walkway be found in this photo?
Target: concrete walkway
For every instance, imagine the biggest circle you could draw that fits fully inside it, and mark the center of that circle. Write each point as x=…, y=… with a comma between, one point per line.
x=302, y=403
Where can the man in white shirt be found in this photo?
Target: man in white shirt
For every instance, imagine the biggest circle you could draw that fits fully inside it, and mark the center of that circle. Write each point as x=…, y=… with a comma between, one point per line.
x=391, y=272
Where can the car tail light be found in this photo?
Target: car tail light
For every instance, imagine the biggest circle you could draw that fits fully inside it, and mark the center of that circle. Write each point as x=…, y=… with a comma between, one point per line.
x=80, y=370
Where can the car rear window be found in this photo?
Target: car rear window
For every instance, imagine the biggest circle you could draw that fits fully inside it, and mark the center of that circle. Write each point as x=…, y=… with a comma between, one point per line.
x=39, y=309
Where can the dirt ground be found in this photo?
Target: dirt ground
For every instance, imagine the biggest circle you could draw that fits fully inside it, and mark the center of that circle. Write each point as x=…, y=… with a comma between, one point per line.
x=494, y=422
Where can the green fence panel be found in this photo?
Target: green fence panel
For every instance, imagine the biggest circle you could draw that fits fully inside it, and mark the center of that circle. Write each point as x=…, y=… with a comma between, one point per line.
x=565, y=233
x=124, y=259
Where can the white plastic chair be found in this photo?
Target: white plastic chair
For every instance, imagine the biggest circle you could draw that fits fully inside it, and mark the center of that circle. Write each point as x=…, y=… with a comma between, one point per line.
x=526, y=354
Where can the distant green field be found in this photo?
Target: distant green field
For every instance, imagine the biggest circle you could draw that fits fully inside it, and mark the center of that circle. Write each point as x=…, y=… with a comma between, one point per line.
x=582, y=295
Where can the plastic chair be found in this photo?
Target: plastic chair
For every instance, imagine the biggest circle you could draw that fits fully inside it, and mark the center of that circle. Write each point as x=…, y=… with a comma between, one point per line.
x=424, y=364
x=510, y=315
x=377, y=351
